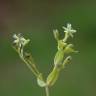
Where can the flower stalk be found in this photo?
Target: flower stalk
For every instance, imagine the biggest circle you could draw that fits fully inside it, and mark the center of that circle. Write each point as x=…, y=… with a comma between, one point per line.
x=47, y=91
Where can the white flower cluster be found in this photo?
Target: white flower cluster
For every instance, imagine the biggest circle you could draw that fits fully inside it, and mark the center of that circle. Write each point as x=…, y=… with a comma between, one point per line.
x=20, y=40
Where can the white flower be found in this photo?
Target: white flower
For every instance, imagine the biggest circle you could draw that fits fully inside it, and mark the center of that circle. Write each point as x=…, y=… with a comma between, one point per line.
x=69, y=30
x=20, y=40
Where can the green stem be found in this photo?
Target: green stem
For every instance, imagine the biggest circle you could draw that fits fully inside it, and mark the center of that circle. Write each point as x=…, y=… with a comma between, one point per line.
x=47, y=91
x=66, y=37
x=32, y=70
x=34, y=67
x=28, y=65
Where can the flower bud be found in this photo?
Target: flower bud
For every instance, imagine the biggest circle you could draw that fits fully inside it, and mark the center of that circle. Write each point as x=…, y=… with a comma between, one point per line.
x=56, y=34
x=40, y=81
x=52, y=77
x=67, y=60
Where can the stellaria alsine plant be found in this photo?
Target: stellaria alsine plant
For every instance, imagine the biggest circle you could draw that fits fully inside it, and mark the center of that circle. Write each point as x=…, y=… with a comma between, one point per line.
x=60, y=60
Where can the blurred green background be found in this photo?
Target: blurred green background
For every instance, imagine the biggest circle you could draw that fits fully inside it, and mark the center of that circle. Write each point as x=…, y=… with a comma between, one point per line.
x=36, y=19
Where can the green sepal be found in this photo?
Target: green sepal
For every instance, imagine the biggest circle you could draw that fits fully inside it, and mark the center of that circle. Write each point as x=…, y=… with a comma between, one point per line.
x=59, y=57
x=69, y=49
x=61, y=45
